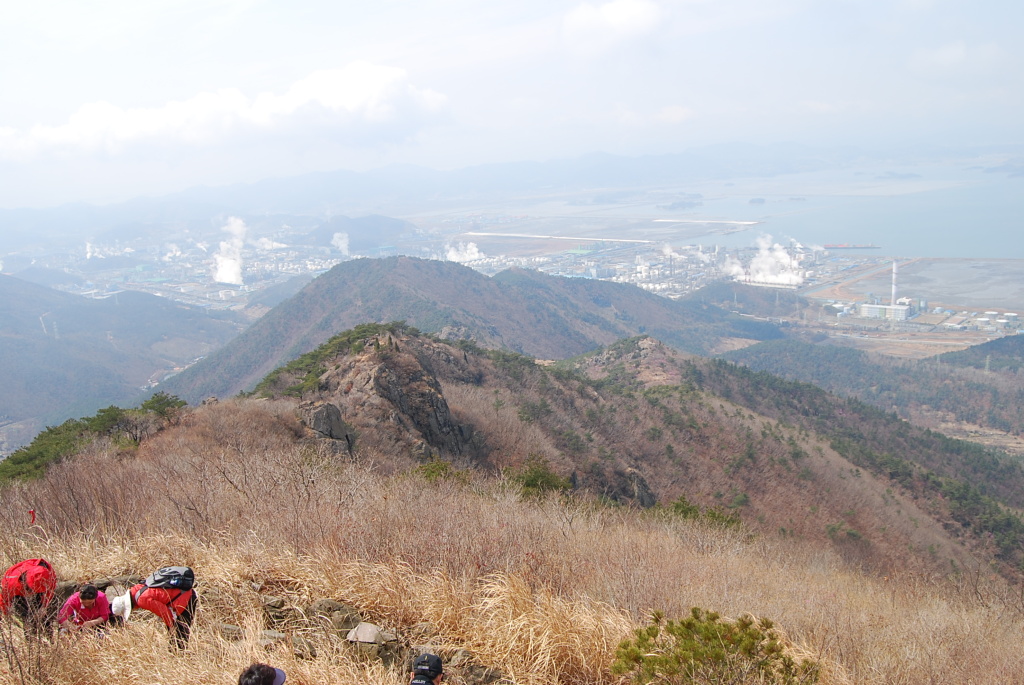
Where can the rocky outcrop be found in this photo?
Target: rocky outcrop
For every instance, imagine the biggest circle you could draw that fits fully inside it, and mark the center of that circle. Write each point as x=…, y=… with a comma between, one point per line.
x=416, y=395
x=391, y=398
x=325, y=419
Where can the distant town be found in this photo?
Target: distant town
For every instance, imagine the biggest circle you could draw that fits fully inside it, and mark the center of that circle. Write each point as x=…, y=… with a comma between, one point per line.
x=858, y=291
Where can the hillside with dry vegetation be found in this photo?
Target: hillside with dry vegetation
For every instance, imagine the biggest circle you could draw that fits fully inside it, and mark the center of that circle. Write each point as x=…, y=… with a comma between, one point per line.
x=522, y=520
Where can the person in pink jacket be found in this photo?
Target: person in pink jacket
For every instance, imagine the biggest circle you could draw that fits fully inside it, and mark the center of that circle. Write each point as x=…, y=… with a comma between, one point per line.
x=86, y=609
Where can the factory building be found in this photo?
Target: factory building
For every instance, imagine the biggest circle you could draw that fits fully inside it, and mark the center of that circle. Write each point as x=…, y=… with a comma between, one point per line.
x=895, y=312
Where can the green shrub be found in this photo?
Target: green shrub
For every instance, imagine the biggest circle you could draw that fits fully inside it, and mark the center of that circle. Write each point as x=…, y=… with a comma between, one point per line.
x=705, y=649
x=683, y=508
x=536, y=477
x=438, y=469
x=163, y=404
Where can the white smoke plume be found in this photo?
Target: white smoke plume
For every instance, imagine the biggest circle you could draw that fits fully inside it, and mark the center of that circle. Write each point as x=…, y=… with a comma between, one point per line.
x=463, y=252
x=667, y=251
x=228, y=259
x=771, y=264
x=340, y=242
x=172, y=252
x=268, y=244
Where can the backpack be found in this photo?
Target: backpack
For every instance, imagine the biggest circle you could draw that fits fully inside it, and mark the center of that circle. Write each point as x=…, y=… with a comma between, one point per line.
x=177, y=577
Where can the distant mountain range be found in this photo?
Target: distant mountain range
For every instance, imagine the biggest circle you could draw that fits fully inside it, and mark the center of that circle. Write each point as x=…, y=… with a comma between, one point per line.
x=519, y=310
x=401, y=189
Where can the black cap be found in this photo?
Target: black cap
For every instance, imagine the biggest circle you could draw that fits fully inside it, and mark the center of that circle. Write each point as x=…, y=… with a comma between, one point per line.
x=428, y=665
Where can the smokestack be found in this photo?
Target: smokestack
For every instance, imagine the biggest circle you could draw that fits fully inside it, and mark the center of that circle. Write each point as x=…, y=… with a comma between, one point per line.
x=893, y=303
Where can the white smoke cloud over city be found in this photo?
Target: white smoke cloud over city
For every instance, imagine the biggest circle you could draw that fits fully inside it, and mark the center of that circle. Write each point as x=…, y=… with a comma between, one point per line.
x=463, y=252
x=268, y=244
x=340, y=243
x=228, y=259
x=667, y=251
x=173, y=251
x=771, y=264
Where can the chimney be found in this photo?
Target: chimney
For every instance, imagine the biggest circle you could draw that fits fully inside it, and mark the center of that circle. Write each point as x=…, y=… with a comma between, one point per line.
x=893, y=303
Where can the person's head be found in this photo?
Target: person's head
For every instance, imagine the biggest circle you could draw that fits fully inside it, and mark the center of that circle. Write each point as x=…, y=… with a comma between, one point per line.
x=121, y=606
x=88, y=595
x=428, y=667
x=261, y=674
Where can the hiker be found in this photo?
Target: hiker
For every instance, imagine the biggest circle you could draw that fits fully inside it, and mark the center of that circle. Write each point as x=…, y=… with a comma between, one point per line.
x=27, y=590
x=88, y=608
x=167, y=593
x=261, y=674
x=426, y=669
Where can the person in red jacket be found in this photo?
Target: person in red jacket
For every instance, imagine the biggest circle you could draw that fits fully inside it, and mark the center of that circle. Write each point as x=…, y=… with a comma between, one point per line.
x=27, y=589
x=175, y=607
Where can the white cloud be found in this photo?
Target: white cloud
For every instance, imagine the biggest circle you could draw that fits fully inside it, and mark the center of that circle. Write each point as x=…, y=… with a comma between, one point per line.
x=590, y=29
x=673, y=114
x=358, y=96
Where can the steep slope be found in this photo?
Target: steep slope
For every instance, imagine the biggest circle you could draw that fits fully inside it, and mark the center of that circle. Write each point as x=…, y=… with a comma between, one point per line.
x=65, y=355
x=640, y=423
x=523, y=311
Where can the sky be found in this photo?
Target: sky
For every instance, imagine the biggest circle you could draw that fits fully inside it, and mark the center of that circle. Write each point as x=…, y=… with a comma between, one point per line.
x=110, y=99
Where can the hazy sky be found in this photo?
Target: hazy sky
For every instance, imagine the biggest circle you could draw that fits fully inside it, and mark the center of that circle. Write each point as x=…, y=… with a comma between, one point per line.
x=107, y=99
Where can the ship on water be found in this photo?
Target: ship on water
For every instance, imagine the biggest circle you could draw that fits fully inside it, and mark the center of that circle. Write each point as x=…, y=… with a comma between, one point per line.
x=849, y=246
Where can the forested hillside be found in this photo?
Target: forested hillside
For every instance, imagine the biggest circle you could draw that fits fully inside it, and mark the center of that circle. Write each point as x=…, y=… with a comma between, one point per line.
x=1003, y=354
x=66, y=355
x=994, y=399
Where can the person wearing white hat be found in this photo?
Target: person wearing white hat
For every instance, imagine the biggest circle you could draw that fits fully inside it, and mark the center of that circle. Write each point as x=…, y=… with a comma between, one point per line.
x=175, y=607
x=261, y=674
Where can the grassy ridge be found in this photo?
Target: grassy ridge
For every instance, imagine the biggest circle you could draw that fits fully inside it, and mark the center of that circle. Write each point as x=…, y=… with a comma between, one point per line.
x=541, y=588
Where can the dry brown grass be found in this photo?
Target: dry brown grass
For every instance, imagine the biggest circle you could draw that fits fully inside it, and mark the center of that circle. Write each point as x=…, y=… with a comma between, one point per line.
x=543, y=590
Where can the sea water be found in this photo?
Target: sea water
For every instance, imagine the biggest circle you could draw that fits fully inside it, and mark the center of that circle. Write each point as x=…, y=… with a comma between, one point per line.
x=922, y=212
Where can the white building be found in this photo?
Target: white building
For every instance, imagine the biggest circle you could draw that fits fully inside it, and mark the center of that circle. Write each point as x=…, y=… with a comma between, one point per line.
x=896, y=312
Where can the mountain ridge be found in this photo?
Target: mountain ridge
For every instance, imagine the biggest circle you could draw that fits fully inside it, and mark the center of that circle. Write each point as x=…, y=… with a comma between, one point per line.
x=641, y=423
x=520, y=310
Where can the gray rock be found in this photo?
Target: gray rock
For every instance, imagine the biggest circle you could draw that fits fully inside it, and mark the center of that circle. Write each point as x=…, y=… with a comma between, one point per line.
x=344, y=621
x=423, y=631
x=303, y=648
x=368, y=633
x=325, y=418
x=325, y=607
x=272, y=602
x=230, y=632
x=464, y=663
x=272, y=638
x=277, y=611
